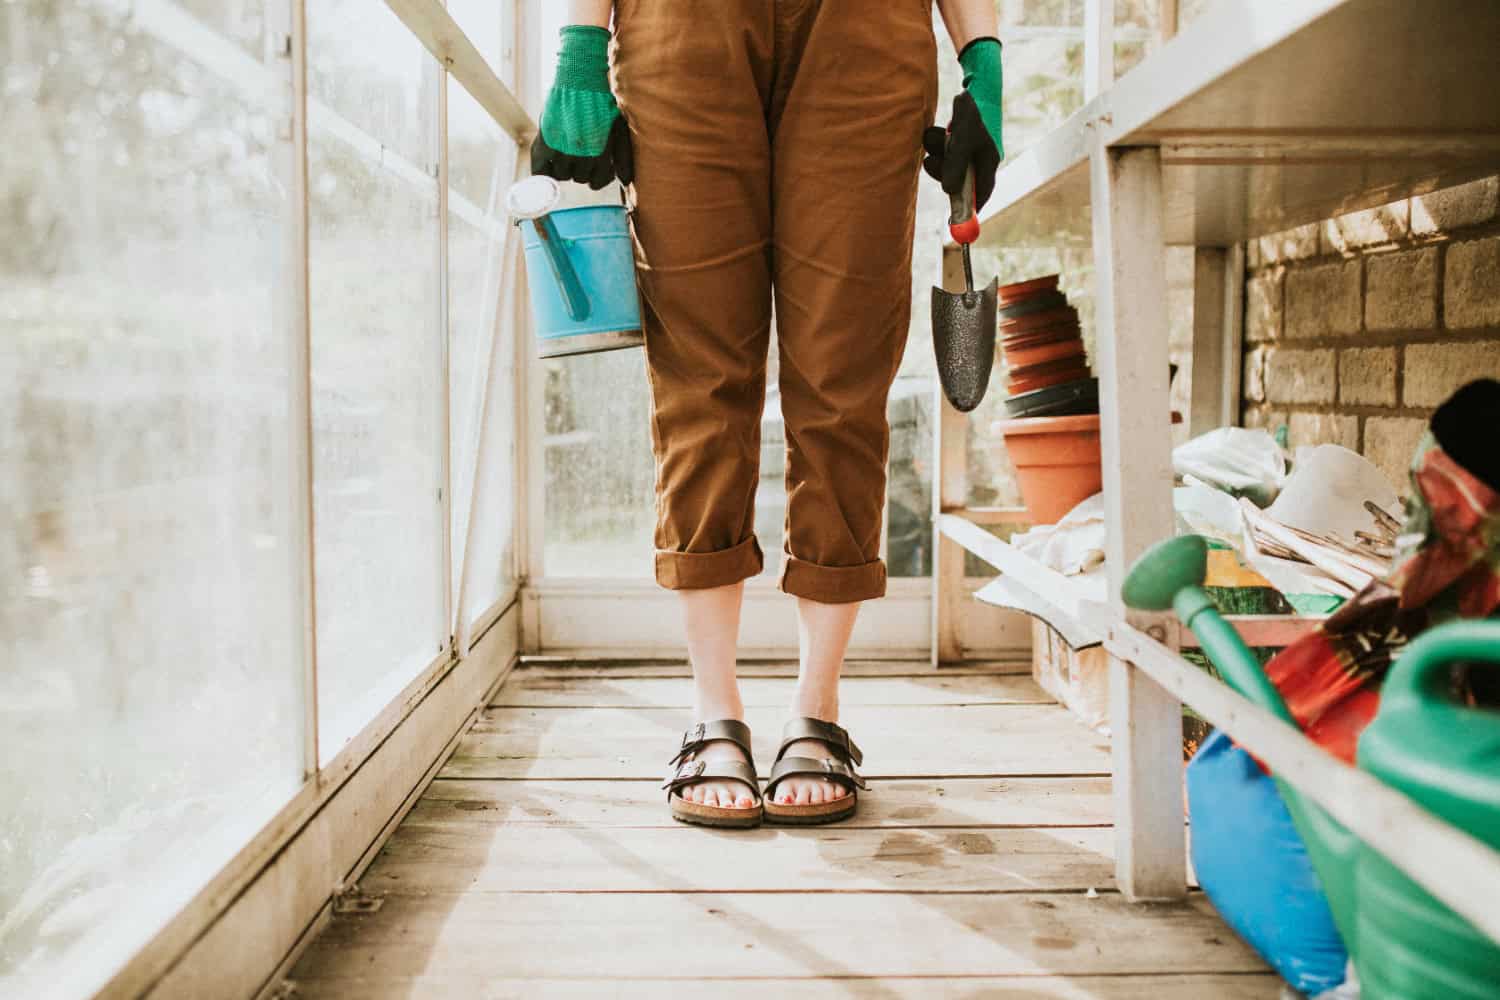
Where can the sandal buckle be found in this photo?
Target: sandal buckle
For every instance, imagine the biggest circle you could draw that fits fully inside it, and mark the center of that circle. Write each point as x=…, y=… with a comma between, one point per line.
x=692, y=736
x=844, y=742
x=690, y=769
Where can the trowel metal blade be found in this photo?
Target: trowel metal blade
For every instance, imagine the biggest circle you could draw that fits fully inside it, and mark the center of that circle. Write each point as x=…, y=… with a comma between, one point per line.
x=963, y=335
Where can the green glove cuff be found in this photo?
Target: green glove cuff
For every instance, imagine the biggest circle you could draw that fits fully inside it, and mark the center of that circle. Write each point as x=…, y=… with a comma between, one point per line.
x=580, y=107
x=984, y=79
x=583, y=59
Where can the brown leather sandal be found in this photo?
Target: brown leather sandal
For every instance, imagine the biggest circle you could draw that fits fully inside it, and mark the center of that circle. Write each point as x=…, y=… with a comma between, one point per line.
x=688, y=770
x=838, y=768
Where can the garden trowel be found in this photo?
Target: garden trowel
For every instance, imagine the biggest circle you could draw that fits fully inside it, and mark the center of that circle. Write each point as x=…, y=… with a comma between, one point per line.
x=963, y=323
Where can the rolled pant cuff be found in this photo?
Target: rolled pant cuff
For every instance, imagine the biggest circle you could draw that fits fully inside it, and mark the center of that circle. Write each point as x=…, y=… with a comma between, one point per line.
x=833, y=584
x=702, y=570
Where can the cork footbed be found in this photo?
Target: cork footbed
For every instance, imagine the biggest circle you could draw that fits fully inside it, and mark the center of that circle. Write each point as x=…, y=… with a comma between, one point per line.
x=814, y=812
x=705, y=815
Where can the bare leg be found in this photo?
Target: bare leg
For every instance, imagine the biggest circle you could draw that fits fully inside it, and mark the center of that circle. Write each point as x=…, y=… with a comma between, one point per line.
x=823, y=632
x=711, y=619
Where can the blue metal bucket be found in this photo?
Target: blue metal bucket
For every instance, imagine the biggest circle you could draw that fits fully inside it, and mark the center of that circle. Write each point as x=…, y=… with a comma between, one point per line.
x=580, y=267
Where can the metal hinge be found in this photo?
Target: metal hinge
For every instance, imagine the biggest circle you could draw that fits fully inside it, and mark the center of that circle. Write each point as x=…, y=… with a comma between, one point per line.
x=352, y=899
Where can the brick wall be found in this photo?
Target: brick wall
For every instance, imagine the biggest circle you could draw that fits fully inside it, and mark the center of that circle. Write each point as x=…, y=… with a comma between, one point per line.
x=1357, y=327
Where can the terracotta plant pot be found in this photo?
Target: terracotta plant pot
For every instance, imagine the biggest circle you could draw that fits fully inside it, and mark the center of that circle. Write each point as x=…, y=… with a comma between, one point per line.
x=1039, y=321
x=1017, y=358
x=1056, y=460
x=1057, y=331
x=1065, y=363
x=1030, y=343
x=1032, y=304
x=1020, y=384
x=1024, y=289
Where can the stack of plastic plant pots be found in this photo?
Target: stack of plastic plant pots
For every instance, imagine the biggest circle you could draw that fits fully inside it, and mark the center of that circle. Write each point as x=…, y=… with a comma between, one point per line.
x=1047, y=372
x=1052, y=436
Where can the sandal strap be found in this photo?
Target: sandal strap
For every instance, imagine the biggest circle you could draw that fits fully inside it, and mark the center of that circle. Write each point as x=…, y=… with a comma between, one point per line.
x=834, y=770
x=692, y=771
x=694, y=739
x=831, y=733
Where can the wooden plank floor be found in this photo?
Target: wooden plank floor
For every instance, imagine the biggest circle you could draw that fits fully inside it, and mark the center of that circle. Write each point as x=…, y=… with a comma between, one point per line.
x=542, y=861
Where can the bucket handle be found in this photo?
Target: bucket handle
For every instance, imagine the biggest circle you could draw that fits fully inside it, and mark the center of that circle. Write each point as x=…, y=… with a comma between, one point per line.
x=573, y=295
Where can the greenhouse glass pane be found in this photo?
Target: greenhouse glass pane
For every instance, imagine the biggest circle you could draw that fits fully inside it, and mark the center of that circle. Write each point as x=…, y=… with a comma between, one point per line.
x=481, y=158
x=151, y=709
x=908, y=529
x=599, y=470
x=482, y=22
x=365, y=67
x=479, y=324
x=377, y=366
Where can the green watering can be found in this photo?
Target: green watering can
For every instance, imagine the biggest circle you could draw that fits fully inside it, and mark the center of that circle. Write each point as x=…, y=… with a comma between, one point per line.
x=1446, y=757
x=1443, y=755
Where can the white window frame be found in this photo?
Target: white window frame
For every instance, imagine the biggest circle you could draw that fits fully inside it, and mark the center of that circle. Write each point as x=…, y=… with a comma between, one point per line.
x=224, y=941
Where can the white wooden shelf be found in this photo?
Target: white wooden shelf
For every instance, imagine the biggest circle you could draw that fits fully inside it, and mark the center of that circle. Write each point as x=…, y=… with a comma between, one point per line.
x=1273, y=113
x=1262, y=115
x=1060, y=602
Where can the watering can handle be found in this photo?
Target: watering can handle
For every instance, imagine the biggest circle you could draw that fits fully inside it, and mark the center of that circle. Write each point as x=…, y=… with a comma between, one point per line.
x=1421, y=671
x=573, y=295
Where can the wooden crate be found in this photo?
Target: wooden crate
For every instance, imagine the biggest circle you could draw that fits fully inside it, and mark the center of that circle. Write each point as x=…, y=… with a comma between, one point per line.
x=1077, y=678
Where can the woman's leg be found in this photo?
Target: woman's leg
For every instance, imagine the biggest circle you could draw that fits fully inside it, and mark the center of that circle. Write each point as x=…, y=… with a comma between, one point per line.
x=846, y=123
x=691, y=81
x=711, y=619
x=823, y=636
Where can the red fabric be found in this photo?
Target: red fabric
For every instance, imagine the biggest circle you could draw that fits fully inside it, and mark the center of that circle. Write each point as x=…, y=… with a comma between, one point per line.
x=1331, y=678
x=1338, y=729
x=1462, y=544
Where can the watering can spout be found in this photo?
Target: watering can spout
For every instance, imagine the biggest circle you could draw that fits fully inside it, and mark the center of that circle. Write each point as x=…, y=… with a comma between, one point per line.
x=1170, y=575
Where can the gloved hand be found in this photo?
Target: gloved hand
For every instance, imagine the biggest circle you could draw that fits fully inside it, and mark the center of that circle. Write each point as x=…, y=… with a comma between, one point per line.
x=583, y=136
x=972, y=137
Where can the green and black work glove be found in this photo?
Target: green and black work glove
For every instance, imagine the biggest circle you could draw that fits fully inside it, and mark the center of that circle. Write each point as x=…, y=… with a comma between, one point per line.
x=584, y=137
x=972, y=138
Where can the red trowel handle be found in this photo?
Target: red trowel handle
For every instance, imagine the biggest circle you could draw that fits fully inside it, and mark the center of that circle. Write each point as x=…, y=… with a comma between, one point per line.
x=963, y=223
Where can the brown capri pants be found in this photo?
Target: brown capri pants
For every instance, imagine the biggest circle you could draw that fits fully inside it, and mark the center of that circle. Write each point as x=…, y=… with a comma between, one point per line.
x=777, y=150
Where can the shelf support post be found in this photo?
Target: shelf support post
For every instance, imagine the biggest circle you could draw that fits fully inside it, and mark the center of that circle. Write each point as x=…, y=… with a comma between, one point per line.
x=1135, y=431
x=1098, y=47
x=1217, y=338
